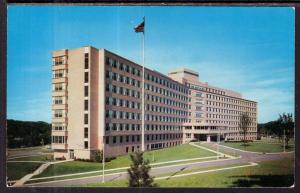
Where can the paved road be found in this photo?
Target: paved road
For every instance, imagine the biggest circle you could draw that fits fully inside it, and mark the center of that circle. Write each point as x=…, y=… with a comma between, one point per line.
x=245, y=158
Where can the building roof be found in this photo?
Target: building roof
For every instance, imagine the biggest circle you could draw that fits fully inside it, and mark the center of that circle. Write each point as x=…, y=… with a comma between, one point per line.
x=184, y=70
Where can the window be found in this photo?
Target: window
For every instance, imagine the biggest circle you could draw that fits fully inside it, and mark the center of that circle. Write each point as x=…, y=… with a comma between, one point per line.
x=58, y=100
x=58, y=74
x=114, y=139
x=121, y=139
x=114, y=101
x=107, y=139
x=86, y=61
x=107, y=101
x=58, y=139
x=58, y=87
x=58, y=126
x=86, y=144
x=114, y=76
x=107, y=128
x=121, y=90
x=107, y=87
x=86, y=91
x=127, y=149
x=107, y=74
x=58, y=113
x=86, y=118
x=86, y=132
x=86, y=77
x=86, y=105
x=114, y=89
x=59, y=60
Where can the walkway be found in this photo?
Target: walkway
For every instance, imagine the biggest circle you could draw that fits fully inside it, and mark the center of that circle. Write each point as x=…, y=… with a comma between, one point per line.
x=40, y=169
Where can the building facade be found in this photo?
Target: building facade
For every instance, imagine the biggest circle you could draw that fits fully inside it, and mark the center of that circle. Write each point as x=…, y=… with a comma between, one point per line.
x=214, y=112
x=97, y=105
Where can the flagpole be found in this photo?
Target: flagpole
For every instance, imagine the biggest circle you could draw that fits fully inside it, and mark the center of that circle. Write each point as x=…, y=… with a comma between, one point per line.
x=143, y=91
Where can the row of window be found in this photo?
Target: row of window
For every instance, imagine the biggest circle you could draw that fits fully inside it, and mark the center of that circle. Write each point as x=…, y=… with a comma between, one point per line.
x=59, y=113
x=229, y=122
x=232, y=112
x=137, y=127
x=59, y=126
x=196, y=87
x=86, y=102
x=166, y=83
x=167, y=110
x=59, y=73
x=154, y=146
x=235, y=129
x=59, y=60
x=136, y=83
x=121, y=66
x=137, y=116
x=122, y=79
x=59, y=100
x=122, y=103
x=212, y=103
x=148, y=107
x=134, y=71
x=137, y=138
x=235, y=101
x=165, y=101
x=59, y=87
x=165, y=92
x=136, y=94
x=230, y=117
x=122, y=91
x=59, y=139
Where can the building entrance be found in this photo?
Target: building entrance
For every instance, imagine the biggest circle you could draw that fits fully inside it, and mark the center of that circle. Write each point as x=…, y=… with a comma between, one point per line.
x=71, y=154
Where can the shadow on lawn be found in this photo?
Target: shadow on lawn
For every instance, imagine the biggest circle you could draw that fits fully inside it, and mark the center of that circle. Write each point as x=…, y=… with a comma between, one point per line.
x=176, y=172
x=264, y=181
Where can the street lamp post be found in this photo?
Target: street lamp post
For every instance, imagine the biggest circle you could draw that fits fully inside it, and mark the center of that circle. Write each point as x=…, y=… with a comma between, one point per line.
x=218, y=141
x=283, y=140
x=103, y=161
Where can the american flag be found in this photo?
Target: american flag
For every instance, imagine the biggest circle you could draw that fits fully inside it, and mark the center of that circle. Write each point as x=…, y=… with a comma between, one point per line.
x=140, y=27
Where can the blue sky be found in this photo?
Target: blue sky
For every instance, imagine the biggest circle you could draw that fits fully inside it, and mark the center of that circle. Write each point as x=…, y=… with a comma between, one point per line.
x=249, y=50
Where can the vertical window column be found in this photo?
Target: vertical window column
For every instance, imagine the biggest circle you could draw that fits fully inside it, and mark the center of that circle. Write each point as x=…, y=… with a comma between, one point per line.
x=86, y=100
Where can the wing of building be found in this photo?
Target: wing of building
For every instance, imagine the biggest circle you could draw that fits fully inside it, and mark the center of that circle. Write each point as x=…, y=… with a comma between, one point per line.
x=97, y=103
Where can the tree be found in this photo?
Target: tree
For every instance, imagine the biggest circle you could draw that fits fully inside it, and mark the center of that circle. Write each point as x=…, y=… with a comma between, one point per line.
x=139, y=171
x=27, y=133
x=287, y=126
x=245, y=121
x=98, y=155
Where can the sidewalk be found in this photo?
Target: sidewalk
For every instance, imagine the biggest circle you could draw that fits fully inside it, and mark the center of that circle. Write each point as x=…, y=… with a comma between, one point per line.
x=27, y=177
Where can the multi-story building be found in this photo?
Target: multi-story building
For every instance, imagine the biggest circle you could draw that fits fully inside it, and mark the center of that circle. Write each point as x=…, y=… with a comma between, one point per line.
x=97, y=104
x=214, y=112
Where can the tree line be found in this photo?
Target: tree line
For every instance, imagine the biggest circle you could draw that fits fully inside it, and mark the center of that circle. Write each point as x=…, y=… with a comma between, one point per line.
x=282, y=128
x=27, y=133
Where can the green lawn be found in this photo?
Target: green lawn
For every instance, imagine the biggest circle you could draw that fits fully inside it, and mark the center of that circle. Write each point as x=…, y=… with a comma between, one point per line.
x=16, y=171
x=97, y=173
x=258, y=147
x=184, y=151
x=278, y=173
x=33, y=158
